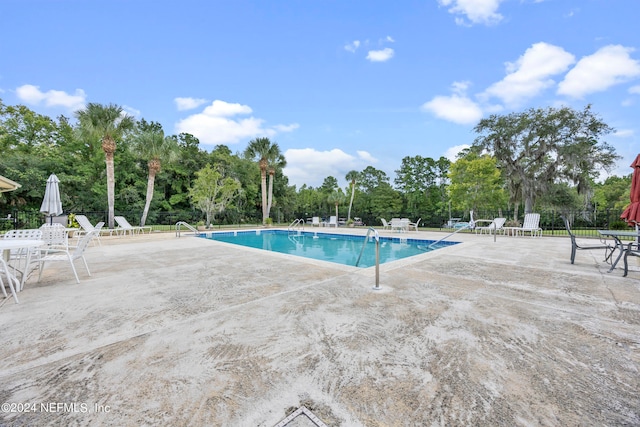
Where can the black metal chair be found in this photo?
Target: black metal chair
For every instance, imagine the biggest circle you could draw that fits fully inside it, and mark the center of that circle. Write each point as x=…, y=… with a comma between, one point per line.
x=575, y=246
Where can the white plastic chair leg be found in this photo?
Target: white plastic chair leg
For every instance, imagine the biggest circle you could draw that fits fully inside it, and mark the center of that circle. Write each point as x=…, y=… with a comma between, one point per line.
x=10, y=280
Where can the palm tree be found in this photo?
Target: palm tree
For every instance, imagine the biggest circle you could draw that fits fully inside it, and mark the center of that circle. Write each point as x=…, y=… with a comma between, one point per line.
x=105, y=123
x=352, y=176
x=336, y=197
x=152, y=145
x=262, y=150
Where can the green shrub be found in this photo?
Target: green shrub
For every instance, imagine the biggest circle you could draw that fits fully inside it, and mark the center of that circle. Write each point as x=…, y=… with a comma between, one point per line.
x=619, y=225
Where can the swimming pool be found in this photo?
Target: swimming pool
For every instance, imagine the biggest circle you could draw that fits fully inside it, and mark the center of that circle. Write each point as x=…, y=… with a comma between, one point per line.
x=338, y=248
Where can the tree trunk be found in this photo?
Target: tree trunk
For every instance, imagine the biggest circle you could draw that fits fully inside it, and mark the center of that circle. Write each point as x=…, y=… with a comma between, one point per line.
x=111, y=184
x=263, y=179
x=528, y=205
x=109, y=147
x=353, y=193
x=271, y=177
x=150, y=183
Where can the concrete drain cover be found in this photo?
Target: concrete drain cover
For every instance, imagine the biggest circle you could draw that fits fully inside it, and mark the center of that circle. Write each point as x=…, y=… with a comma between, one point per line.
x=301, y=417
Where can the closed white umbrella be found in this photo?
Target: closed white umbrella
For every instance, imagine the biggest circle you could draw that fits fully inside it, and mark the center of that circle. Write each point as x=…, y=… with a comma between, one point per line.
x=51, y=204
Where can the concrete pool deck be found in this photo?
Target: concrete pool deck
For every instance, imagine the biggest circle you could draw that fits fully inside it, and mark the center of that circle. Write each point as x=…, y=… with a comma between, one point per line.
x=187, y=331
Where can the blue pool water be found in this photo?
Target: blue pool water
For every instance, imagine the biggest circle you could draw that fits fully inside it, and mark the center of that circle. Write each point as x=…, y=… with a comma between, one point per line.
x=338, y=248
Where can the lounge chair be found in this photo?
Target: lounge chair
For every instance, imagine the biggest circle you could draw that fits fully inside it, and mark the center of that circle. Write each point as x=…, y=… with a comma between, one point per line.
x=315, y=221
x=385, y=224
x=87, y=227
x=608, y=249
x=333, y=221
x=497, y=225
x=530, y=224
x=124, y=227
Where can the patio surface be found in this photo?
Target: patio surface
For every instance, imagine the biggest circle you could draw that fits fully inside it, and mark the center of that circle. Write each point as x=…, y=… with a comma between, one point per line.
x=187, y=331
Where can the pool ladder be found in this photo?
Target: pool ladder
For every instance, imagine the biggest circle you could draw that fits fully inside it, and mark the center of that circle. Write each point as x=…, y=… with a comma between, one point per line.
x=187, y=226
x=376, y=236
x=296, y=223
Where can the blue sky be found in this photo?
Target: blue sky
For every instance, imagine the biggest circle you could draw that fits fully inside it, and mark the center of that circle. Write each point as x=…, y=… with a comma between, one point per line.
x=339, y=85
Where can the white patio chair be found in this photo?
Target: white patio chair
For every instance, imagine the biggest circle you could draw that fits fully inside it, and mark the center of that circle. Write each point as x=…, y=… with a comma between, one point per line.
x=87, y=227
x=333, y=221
x=29, y=234
x=496, y=225
x=69, y=255
x=16, y=256
x=315, y=221
x=385, y=224
x=55, y=236
x=531, y=225
x=125, y=227
x=399, y=225
x=414, y=225
x=10, y=278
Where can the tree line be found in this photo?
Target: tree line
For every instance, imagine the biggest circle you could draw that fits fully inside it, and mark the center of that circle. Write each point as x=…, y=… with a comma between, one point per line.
x=109, y=162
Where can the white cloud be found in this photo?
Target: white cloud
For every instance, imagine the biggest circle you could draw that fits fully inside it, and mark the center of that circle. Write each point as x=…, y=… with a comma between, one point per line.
x=226, y=109
x=366, y=156
x=531, y=73
x=310, y=166
x=31, y=94
x=624, y=133
x=216, y=124
x=455, y=108
x=380, y=55
x=460, y=88
x=188, y=103
x=607, y=67
x=390, y=39
x=452, y=152
x=286, y=128
x=353, y=46
x=131, y=111
x=476, y=11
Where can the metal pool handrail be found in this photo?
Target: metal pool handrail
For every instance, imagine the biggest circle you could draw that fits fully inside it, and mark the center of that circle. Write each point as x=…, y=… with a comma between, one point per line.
x=179, y=223
x=377, y=237
x=448, y=235
x=295, y=223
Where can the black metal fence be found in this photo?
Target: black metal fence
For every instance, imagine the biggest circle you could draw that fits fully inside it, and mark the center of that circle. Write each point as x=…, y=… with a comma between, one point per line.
x=17, y=219
x=21, y=219
x=588, y=222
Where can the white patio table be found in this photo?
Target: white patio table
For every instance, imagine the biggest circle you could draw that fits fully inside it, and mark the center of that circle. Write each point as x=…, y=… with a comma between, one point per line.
x=7, y=245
